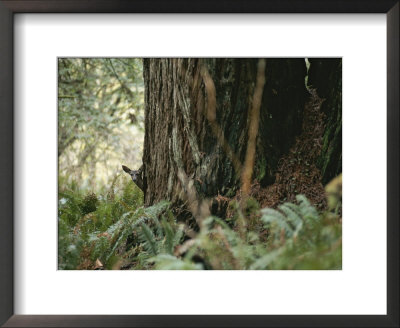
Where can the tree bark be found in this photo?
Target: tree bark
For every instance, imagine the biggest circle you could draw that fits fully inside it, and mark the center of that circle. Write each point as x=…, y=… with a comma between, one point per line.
x=180, y=135
x=325, y=75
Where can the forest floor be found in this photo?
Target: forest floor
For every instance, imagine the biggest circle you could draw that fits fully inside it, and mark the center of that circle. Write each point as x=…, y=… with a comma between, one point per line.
x=297, y=172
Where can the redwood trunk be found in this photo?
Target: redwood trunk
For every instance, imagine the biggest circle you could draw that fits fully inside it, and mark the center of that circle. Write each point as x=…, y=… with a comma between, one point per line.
x=179, y=136
x=326, y=76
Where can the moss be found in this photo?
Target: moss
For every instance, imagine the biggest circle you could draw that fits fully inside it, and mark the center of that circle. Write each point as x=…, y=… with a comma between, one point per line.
x=252, y=206
x=231, y=192
x=331, y=155
x=330, y=159
x=261, y=168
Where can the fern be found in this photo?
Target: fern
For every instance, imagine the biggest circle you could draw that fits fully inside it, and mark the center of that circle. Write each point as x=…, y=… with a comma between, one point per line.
x=298, y=238
x=172, y=236
x=148, y=240
x=293, y=236
x=264, y=261
x=291, y=218
x=165, y=236
x=169, y=262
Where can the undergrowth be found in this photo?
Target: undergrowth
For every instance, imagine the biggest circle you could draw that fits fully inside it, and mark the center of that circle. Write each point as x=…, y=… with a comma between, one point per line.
x=112, y=230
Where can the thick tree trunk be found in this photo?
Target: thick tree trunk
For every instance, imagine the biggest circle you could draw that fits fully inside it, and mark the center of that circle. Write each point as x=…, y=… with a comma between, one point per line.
x=178, y=134
x=326, y=76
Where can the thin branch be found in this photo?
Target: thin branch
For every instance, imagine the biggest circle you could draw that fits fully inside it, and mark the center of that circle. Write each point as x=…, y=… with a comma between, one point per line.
x=212, y=118
x=198, y=207
x=123, y=85
x=253, y=127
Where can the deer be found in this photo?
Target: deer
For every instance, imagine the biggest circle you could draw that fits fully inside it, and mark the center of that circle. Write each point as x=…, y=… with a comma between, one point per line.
x=136, y=175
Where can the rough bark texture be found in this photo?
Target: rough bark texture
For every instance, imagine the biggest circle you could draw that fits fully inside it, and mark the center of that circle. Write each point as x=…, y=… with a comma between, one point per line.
x=178, y=135
x=326, y=76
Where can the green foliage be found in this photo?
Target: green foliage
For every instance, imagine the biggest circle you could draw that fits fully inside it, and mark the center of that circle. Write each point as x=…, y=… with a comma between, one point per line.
x=94, y=226
x=120, y=231
x=69, y=247
x=132, y=195
x=100, y=112
x=169, y=262
x=294, y=236
x=165, y=237
x=89, y=203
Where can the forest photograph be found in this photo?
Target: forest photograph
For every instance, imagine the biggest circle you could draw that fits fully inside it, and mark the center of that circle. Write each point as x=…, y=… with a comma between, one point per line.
x=199, y=163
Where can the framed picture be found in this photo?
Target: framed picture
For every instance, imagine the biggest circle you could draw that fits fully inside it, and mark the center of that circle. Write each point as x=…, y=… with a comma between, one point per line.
x=84, y=79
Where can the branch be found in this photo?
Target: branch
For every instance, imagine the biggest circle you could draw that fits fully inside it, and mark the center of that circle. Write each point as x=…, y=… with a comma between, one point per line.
x=212, y=118
x=253, y=128
x=123, y=85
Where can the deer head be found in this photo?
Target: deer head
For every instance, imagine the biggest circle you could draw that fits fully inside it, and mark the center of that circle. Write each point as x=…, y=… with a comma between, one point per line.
x=136, y=175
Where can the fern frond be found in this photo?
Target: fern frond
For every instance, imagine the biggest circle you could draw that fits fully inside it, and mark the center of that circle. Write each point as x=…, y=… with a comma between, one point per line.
x=273, y=218
x=170, y=262
x=148, y=239
x=154, y=211
x=263, y=262
x=308, y=212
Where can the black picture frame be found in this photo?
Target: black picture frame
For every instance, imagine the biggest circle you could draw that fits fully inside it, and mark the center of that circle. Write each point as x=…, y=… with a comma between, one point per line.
x=10, y=7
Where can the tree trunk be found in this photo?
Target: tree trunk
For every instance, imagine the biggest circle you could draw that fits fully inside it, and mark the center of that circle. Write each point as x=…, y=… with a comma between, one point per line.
x=326, y=76
x=180, y=135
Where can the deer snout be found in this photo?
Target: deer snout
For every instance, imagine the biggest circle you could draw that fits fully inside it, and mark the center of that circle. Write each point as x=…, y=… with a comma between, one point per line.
x=134, y=175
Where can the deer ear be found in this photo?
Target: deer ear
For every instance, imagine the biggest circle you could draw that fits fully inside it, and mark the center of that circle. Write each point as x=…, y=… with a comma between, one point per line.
x=126, y=169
